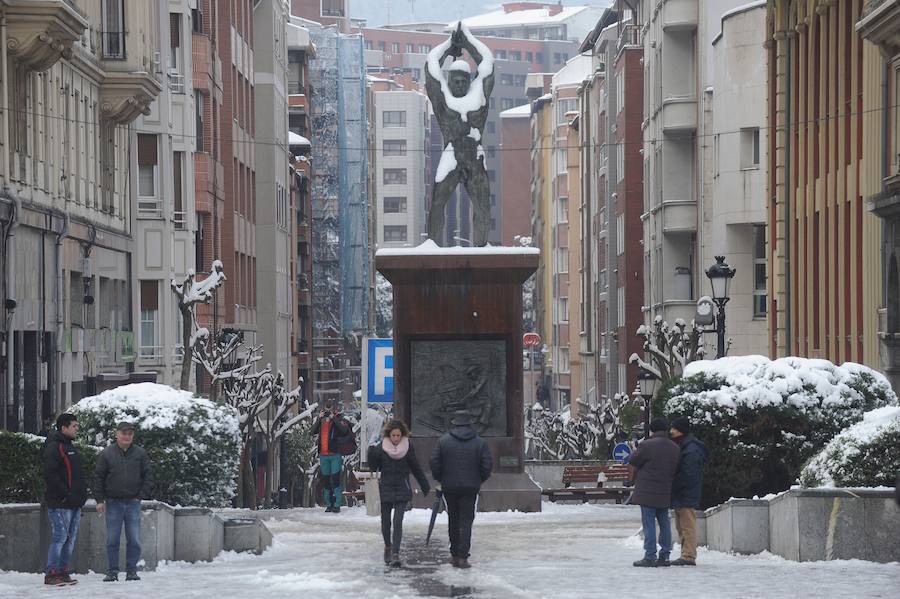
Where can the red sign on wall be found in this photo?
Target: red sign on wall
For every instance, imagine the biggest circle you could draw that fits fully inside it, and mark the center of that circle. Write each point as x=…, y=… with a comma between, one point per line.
x=531, y=339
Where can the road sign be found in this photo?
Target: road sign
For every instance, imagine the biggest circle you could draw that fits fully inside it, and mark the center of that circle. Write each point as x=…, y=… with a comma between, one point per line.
x=379, y=368
x=531, y=339
x=621, y=451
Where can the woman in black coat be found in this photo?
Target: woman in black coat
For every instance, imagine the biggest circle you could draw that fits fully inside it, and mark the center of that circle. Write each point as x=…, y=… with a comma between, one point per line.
x=396, y=459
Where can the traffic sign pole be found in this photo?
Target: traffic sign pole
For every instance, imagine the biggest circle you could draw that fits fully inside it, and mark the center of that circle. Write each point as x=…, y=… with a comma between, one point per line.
x=364, y=404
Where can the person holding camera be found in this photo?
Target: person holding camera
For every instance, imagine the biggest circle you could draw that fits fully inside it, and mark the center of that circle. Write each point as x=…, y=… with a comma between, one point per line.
x=335, y=437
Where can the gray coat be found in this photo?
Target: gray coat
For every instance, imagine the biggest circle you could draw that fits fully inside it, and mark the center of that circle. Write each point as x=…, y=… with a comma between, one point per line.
x=394, y=484
x=461, y=460
x=656, y=460
x=122, y=474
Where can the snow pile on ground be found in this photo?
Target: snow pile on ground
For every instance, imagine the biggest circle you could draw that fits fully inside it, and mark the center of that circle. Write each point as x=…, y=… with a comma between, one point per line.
x=193, y=443
x=866, y=454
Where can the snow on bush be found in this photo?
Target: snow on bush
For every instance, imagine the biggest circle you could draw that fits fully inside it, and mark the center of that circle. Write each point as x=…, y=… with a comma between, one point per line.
x=866, y=454
x=763, y=419
x=194, y=444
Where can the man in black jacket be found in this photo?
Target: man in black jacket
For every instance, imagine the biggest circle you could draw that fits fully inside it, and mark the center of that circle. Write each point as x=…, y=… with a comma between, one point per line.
x=461, y=461
x=65, y=494
x=687, y=488
x=122, y=479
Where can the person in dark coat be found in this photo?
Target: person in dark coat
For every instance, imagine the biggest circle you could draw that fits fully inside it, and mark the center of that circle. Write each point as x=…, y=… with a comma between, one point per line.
x=460, y=463
x=395, y=458
x=123, y=478
x=331, y=425
x=687, y=487
x=65, y=493
x=655, y=461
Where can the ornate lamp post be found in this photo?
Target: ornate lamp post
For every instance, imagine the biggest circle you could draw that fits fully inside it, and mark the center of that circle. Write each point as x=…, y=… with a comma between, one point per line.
x=720, y=275
x=647, y=383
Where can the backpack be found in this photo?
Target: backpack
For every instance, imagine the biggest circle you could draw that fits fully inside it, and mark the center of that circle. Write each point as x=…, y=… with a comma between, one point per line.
x=345, y=443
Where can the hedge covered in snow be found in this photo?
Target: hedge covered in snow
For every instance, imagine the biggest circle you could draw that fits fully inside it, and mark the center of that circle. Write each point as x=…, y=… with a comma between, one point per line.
x=763, y=419
x=21, y=472
x=866, y=454
x=193, y=443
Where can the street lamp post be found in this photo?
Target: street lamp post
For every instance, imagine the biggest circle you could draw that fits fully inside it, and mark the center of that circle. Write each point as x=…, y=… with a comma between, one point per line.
x=720, y=275
x=647, y=383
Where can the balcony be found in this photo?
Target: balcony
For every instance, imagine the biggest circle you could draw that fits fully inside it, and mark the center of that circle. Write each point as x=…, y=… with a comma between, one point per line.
x=679, y=216
x=176, y=82
x=680, y=15
x=679, y=115
x=296, y=101
x=124, y=96
x=630, y=37
x=40, y=32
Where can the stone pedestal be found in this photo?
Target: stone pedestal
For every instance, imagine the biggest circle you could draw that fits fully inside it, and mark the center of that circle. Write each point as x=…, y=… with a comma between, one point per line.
x=458, y=344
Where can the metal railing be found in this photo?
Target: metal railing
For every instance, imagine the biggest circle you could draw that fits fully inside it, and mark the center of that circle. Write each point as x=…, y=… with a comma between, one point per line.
x=149, y=208
x=150, y=352
x=112, y=44
x=176, y=83
x=630, y=36
x=179, y=218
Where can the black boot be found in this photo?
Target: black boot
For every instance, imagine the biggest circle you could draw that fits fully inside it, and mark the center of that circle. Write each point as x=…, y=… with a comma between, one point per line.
x=387, y=555
x=111, y=576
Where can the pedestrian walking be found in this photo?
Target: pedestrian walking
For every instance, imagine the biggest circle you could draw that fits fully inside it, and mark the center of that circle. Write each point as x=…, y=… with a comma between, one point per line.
x=460, y=463
x=687, y=487
x=655, y=461
x=395, y=458
x=334, y=434
x=65, y=493
x=123, y=478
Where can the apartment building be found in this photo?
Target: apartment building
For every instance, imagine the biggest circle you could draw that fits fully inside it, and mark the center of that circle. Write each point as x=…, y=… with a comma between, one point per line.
x=401, y=124
x=165, y=217
x=299, y=52
x=76, y=76
x=826, y=157
x=879, y=24
x=275, y=214
x=515, y=162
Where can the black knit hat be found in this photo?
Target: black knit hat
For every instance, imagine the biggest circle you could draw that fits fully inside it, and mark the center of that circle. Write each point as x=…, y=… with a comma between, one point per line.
x=682, y=424
x=659, y=424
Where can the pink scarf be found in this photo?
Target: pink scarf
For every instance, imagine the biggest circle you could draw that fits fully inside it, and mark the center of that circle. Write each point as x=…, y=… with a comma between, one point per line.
x=396, y=452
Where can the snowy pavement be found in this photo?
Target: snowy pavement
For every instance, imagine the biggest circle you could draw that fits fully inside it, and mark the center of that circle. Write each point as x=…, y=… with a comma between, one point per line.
x=567, y=551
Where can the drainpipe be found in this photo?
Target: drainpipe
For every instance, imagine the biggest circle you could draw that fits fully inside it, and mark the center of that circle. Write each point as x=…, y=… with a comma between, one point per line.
x=60, y=321
x=10, y=246
x=886, y=246
x=787, y=202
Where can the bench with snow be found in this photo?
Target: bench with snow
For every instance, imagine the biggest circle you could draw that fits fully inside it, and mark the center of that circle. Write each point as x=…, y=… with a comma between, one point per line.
x=594, y=482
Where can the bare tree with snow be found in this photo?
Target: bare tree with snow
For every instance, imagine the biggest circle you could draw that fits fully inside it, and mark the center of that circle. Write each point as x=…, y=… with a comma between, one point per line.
x=189, y=294
x=670, y=349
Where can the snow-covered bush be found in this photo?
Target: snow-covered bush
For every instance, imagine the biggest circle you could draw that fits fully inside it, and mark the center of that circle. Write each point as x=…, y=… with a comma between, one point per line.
x=763, y=419
x=21, y=470
x=557, y=436
x=194, y=444
x=866, y=454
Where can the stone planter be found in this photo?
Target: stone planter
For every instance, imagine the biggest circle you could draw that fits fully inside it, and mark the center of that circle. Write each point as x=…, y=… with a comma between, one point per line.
x=738, y=526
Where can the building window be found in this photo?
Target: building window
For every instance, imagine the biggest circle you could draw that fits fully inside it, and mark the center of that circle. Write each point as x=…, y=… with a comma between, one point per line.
x=394, y=176
x=620, y=234
x=529, y=57
x=410, y=49
x=501, y=54
x=381, y=46
x=198, y=116
x=519, y=80
x=394, y=118
x=507, y=103
x=562, y=160
x=515, y=55
x=368, y=45
x=562, y=260
x=113, y=23
x=395, y=47
x=424, y=48
x=750, y=148
x=563, y=210
x=178, y=212
x=563, y=309
x=395, y=232
x=149, y=204
x=395, y=147
x=197, y=19
x=539, y=57
x=395, y=205
x=563, y=107
x=563, y=360
x=506, y=79
x=620, y=306
x=76, y=299
x=760, y=299
x=174, y=41
x=149, y=342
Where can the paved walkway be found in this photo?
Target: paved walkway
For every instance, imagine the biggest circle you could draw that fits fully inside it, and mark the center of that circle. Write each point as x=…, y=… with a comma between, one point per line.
x=569, y=551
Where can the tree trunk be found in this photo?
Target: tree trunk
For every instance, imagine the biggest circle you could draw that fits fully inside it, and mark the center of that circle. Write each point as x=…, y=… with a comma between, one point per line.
x=241, y=467
x=270, y=465
x=187, y=324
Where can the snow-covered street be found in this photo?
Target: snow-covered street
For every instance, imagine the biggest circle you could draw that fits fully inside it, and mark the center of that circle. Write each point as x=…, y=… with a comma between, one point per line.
x=566, y=551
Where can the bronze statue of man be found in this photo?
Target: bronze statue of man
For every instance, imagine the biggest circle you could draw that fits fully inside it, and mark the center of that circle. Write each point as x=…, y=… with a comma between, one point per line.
x=461, y=108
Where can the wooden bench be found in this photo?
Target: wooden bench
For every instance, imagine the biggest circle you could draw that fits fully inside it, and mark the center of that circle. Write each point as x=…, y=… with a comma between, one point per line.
x=607, y=482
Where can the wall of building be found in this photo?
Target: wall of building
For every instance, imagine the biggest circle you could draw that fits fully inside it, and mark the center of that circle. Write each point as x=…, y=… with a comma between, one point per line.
x=515, y=166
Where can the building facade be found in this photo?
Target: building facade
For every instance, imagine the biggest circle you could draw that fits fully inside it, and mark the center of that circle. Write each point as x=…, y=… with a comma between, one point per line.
x=75, y=76
x=165, y=217
x=825, y=158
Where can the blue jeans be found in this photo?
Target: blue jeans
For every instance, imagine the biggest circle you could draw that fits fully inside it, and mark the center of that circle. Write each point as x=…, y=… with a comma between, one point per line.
x=649, y=517
x=330, y=473
x=128, y=512
x=63, y=532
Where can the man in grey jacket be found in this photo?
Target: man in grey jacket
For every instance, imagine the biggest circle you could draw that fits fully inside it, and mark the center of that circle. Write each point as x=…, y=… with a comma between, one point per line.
x=122, y=478
x=461, y=461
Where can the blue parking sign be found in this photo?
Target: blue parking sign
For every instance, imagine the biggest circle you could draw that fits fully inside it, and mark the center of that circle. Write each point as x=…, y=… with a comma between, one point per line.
x=379, y=370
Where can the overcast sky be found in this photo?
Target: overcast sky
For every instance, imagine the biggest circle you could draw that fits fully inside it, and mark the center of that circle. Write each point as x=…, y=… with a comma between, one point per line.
x=382, y=12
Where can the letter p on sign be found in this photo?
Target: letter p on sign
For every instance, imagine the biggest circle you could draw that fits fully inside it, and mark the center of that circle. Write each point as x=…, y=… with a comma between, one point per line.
x=383, y=371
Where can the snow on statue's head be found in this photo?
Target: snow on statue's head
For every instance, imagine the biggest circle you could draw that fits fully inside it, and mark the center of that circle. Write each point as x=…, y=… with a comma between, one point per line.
x=458, y=81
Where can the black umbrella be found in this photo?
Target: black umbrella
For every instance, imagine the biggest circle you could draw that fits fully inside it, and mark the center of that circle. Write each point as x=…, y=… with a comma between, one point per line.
x=435, y=510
